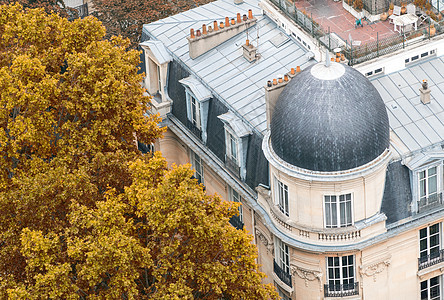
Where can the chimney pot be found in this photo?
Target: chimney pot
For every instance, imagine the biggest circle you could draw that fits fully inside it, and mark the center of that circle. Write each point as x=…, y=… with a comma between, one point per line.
x=250, y=14
x=280, y=80
x=227, y=22
x=425, y=84
x=198, y=32
x=238, y=18
x=244, y=17
x=274, y=81
x=285, y=77
x=204, y=29
x=221, y=25
x=215, y=26
x=298, y=69
x=292, y=71
x=210, y=29
x=233, y=21
x=247, y=42
x=269, y=83
x=192, y=33
x=338, y=59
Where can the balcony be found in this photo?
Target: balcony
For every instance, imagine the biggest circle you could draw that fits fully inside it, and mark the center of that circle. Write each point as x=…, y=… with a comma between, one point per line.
x=430, y=260
x=194, y=130
x=430, y=203
x=236, y=222
x=281, y=274
x=232, y=165
x=341, y=290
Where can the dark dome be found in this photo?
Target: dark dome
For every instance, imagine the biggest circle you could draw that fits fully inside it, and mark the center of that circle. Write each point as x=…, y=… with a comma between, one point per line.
x=329, y=119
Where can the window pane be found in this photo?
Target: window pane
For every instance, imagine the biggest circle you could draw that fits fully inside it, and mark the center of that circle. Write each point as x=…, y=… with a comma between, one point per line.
x=431, y=171
x=434, y=228
x=432, y=185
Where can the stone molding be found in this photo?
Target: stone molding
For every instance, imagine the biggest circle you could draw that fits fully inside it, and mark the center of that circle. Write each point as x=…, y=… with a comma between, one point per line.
x=266, y=240
x=306, y=274
x=375, y=268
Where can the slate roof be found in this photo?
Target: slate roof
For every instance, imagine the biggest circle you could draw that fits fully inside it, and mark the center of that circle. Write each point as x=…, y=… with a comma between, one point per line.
x=236, y=82
x=329, y=125
x=418, y=126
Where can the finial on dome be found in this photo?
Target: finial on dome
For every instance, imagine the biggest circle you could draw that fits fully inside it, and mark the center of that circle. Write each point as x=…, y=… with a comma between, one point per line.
x=327, y=58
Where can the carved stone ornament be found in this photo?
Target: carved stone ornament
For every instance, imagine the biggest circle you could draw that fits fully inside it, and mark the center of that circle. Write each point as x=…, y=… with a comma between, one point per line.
x=265, y=240
x=307, y=275
x=374, y=269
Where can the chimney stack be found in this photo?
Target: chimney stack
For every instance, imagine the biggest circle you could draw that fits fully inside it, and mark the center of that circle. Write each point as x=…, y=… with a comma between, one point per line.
x=249, y=51
x=425, y=92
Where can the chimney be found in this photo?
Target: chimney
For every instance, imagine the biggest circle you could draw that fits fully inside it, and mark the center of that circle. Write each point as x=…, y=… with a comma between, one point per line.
x=202, y=40
x=249, y=51
x=273, y=89
x=425, y=92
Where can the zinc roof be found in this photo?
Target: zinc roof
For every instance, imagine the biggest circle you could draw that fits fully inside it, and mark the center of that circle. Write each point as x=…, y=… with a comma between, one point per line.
x=417, y=125
x=230, y=77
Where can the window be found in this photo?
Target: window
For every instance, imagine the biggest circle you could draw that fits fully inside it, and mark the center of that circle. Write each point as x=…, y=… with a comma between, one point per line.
x=232, y=147
x=341, y=273
x=195, y=112
x=234, y=196
x=196, y=162
x=338, y=210
x=428, y=184
x=159, y=81
x=430, y=289
x=283, y=256
x=429, y=243
x=282, y=197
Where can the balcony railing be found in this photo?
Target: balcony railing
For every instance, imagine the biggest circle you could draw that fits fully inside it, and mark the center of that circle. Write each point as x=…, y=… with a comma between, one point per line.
x=431, y=259
x=194, y=130
x=430, y=202
x=232, y=165
x=341, y=290
x=236, y=222
x=281, y=274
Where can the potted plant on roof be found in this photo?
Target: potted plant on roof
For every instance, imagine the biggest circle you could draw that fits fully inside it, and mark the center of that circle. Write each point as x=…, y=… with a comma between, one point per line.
x=403, y=8
x=391, y=7
x=383, y=16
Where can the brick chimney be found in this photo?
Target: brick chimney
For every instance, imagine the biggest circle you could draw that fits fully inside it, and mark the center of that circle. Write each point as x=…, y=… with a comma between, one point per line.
x=274, y=88
x=425, y=92
x=208, y=39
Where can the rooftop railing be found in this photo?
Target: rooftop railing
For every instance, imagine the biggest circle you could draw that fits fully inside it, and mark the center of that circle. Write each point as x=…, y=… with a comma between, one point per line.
x=366, y=50
x=430, y=202
x=341, y=290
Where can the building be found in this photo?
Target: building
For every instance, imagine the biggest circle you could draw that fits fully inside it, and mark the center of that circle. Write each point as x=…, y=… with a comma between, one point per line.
x=339, y=169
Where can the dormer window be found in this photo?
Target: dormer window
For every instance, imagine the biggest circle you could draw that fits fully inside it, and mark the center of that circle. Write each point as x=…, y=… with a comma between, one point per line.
x=236, y=143
x=428, y=185
x=338, y=210
x=156, y=68
x=197, y=97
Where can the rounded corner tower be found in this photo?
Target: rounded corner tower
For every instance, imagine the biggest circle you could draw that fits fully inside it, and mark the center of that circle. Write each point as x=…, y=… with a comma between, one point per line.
x=329, y=118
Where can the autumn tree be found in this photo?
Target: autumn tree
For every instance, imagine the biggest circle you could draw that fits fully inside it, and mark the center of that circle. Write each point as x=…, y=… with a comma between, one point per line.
x=126, y=17
x=50, y=6
x=84, y=215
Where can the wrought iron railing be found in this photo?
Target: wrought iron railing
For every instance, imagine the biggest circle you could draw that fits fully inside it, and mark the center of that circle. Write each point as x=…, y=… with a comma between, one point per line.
x=232, y=165
x=281, y=274
x=431, y=259
x=341, y=290
x=194, y=130
x=430, y=202
x=367, y=50
x=236, y=222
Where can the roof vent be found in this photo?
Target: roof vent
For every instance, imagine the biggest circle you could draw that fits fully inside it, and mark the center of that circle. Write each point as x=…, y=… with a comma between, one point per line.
x=425, y=92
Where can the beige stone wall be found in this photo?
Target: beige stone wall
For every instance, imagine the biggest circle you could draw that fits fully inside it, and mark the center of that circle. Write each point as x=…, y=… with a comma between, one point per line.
x=306, y=197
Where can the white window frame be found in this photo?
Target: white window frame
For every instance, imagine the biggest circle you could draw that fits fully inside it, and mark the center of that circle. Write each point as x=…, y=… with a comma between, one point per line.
x=336, y=267
x=197, y=165
x=424, y=178
x=340, y=206
x=235, y=197
x=195, y=112
x=232, y=146
x=281, y=196
x=430, y=242
x=430, y=289
x=282, y=256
